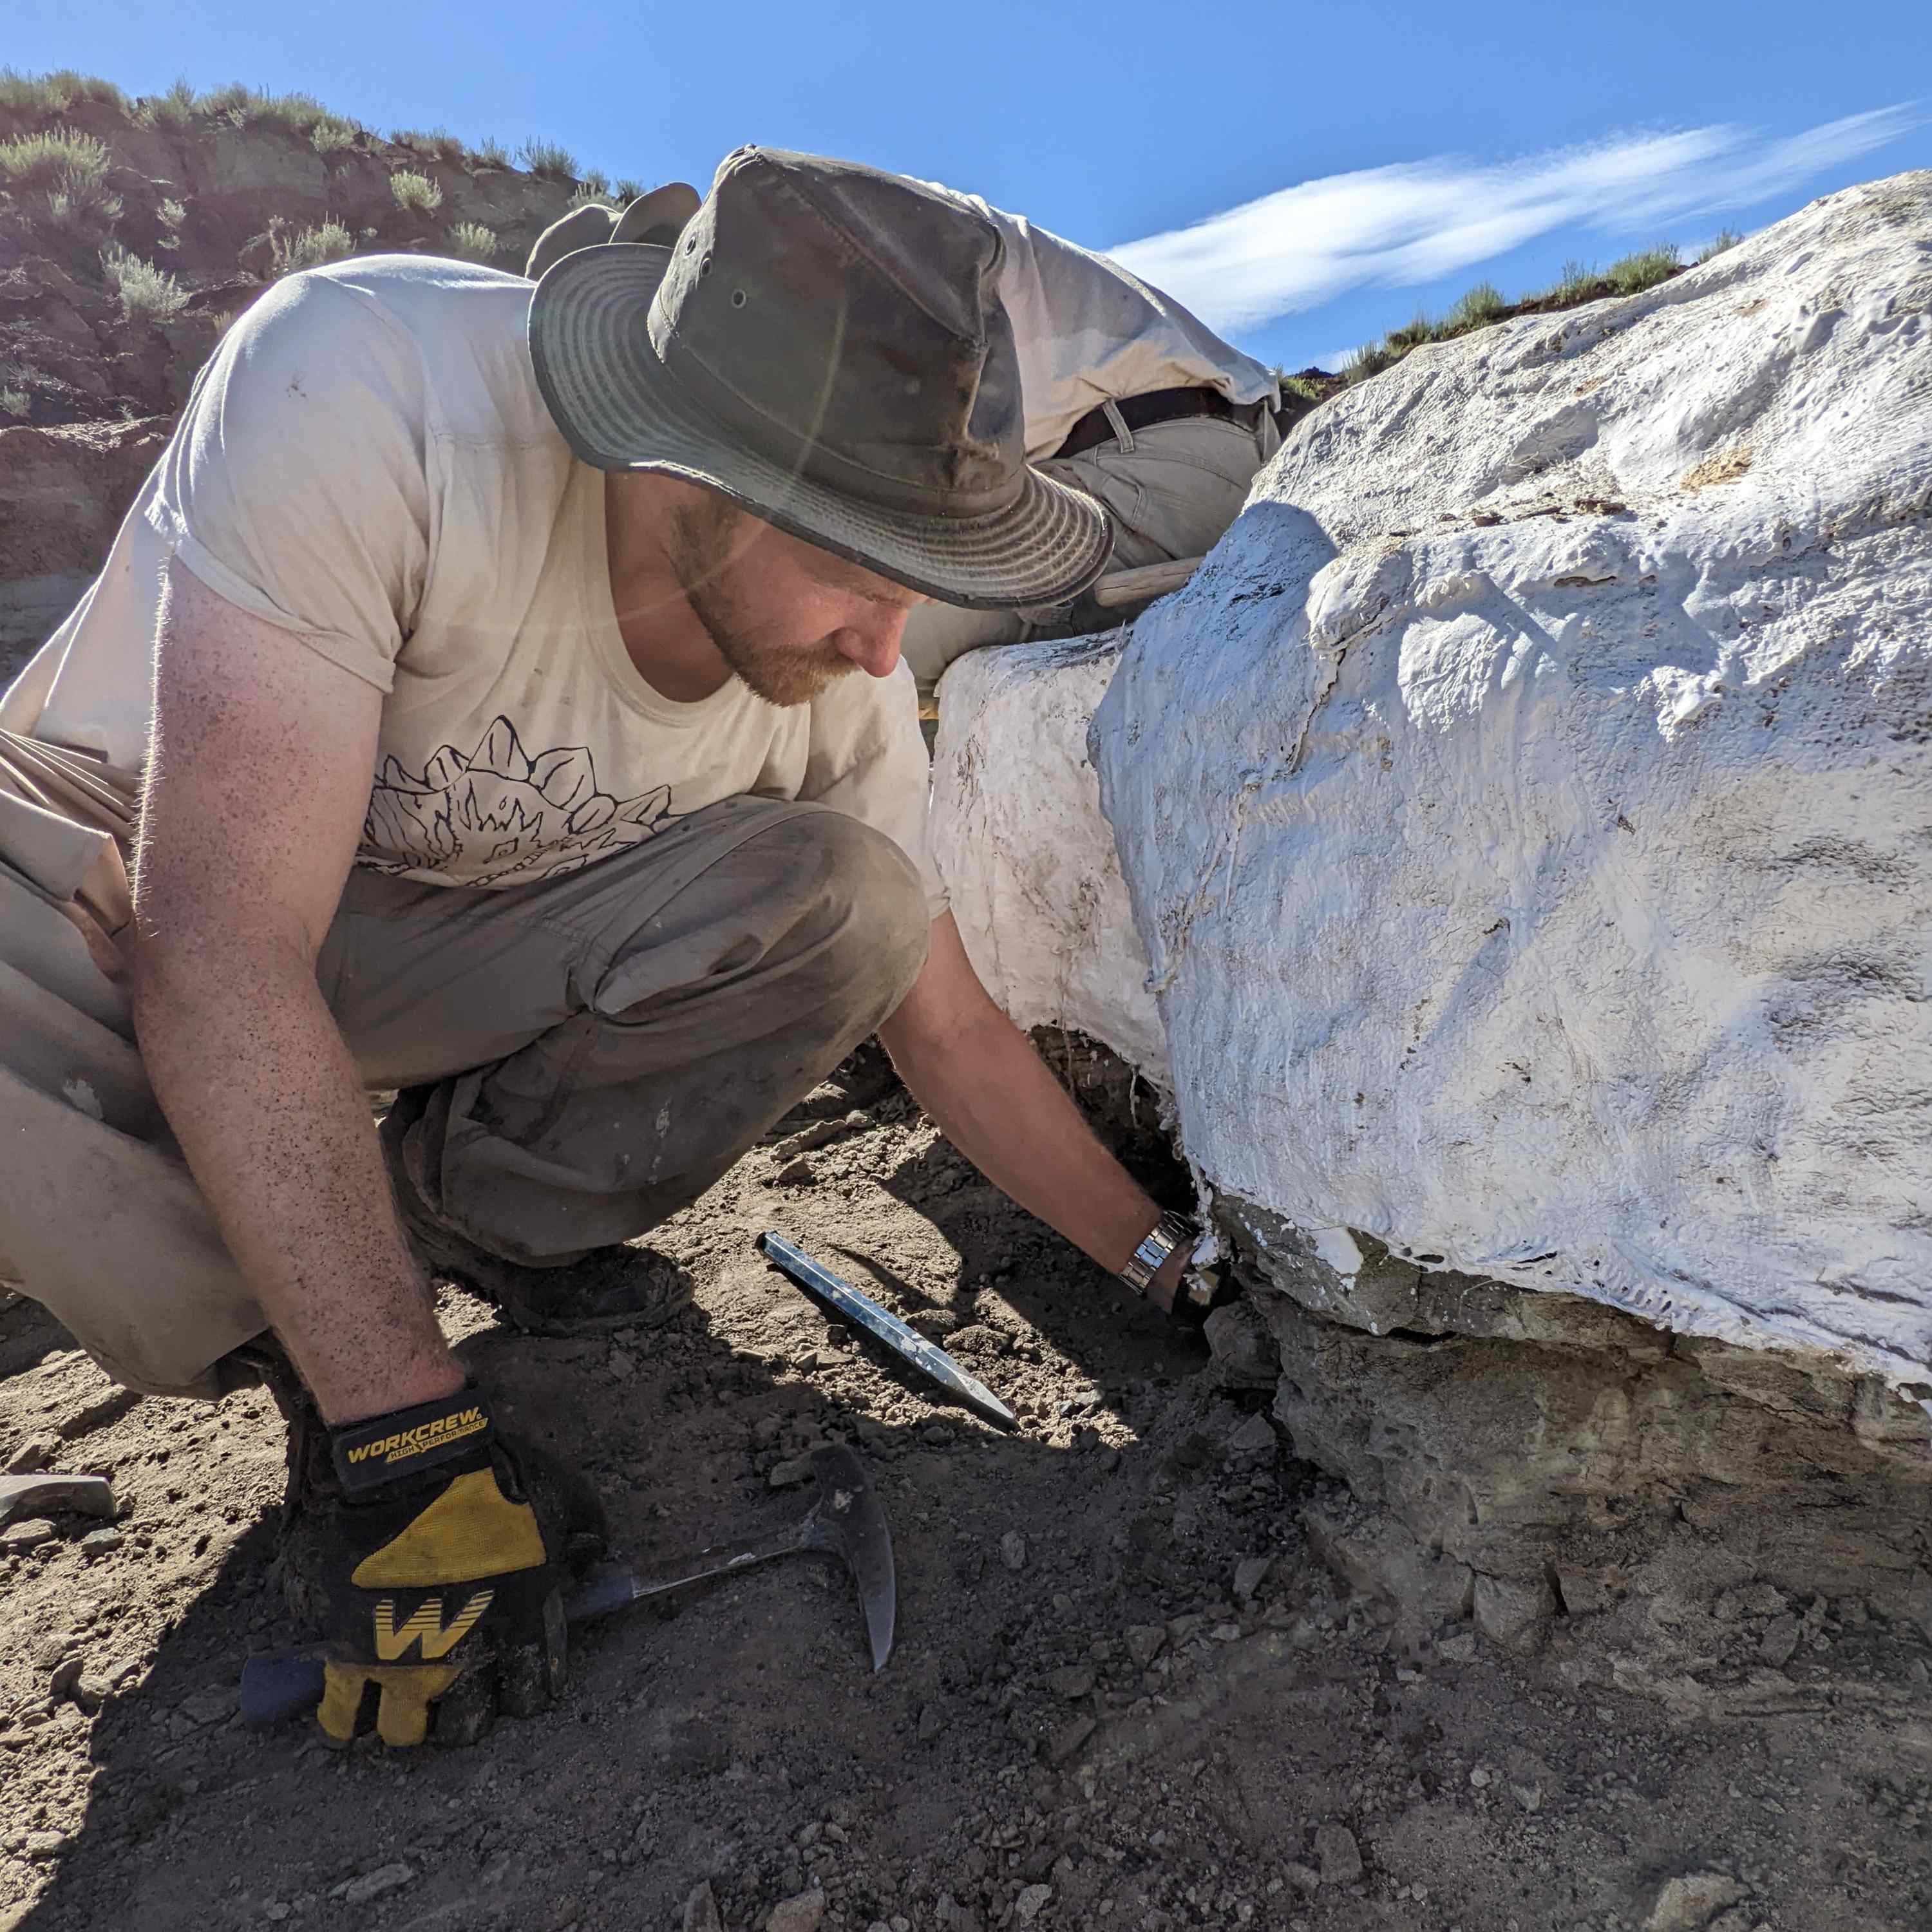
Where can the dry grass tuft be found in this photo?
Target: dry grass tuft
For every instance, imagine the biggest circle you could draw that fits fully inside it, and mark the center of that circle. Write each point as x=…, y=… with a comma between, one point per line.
x=471, y=242
x=57, y=93
x=327, y=242
x=173, y=110
x=1631, y=274
x=546, y=157
x=332, y=134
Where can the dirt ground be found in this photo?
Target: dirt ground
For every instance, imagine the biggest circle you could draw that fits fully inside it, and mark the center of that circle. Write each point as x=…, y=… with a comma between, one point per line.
x=1085, y=1723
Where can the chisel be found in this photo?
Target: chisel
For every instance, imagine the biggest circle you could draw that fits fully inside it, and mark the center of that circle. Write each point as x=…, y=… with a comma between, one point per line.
x=925, y=1356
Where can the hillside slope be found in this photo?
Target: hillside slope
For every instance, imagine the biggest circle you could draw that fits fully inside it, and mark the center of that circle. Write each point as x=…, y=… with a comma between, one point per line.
x=132, y=231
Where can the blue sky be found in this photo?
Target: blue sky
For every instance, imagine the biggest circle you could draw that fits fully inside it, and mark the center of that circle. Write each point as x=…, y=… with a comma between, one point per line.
x=1379, y=158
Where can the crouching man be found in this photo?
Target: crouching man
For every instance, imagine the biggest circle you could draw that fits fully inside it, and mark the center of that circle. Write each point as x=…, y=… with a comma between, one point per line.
x=603, y=589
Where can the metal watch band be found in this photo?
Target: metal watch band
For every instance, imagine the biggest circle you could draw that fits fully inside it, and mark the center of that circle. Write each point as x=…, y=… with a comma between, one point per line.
x=1144, y=1263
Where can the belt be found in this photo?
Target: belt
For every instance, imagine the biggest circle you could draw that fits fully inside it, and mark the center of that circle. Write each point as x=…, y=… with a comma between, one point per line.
x=1156, y=405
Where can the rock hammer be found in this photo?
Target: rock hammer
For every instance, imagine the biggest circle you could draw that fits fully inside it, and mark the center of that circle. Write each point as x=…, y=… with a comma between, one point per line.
x=846, y=1521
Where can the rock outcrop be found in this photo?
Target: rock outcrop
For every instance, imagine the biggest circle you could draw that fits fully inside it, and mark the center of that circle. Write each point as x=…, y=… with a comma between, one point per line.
x=1524, y=816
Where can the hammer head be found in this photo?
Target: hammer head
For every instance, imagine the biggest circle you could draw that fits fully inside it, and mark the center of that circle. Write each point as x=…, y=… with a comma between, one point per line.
x=848, y=1522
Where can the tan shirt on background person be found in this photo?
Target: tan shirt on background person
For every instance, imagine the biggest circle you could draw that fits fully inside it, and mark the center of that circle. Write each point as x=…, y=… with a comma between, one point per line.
x=1088, y=333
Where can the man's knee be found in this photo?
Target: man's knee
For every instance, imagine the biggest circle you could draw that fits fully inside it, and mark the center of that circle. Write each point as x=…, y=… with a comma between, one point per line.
x=865, y=911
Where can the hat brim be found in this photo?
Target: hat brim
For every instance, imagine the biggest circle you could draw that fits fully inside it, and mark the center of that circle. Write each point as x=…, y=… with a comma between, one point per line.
x=618, y=409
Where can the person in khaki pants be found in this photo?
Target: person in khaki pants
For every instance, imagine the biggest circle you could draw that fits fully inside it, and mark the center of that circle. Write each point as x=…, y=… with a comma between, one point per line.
x=513, y=684
x=1128, y=398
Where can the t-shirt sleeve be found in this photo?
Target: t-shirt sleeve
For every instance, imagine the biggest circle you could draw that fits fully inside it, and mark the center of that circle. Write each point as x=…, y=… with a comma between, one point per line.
x=867, y=758
x=295, y=487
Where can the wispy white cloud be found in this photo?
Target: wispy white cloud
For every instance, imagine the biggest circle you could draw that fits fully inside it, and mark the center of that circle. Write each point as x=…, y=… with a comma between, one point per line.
x=1416, y=220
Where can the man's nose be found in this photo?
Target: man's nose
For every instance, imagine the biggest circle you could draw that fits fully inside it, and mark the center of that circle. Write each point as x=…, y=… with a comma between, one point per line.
x=873, y=644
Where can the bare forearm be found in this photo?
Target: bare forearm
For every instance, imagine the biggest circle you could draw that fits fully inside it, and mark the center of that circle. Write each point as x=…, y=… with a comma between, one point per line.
x=259, y=1089
x=993, y=1098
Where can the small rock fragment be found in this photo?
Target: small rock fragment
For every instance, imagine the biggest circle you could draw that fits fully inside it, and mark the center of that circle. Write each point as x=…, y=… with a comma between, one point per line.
x=1250, y=1574
x=1513, y=1613
x=66, y=1675
x=938, y=1433
x=1780, y=1641
x=1529, y=1796
x=1304, y=1878
x=1013, y=1550
x=28, y=1535
x=1460, y=1648
x=1068, y=1738
x=1075, y=1681
x=209, y=1705
x=799, y=1173
x=1584, y=1592
x=700, y=1910
x=1180, y=1629
x=931, y=1722
x=1032, y=1901
x=101, y=1543
x=1255, y=1437
x=800, y=1914
x=1689, y=1903
x=1144, y=1642
x=789, y=1473
x=374, y=1885
x=47, y=1844
x=1339, y=1855
x=34, y=1453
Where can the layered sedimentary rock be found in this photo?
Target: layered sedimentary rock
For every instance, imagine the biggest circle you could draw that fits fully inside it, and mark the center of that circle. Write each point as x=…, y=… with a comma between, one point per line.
x=1526, y=818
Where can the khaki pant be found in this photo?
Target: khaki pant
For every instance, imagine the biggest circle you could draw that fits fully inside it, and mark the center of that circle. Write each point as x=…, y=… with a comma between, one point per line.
x=588, y=1054
x=1172, y=490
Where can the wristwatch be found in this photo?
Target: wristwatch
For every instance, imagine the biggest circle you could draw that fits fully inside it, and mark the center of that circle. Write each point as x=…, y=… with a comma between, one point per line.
x=1200, y=1290
x=1168, y=1233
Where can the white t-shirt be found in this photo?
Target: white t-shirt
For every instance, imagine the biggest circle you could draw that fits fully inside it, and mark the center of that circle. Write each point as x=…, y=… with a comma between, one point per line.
x=1090, y=333
x=367, y=463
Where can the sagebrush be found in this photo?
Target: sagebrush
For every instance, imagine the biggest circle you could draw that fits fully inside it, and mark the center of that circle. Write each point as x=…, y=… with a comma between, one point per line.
x=147, y=293
x=415, y=192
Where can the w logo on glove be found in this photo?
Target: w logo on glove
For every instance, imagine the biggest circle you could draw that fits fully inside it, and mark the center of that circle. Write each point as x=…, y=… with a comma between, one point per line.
x=425, y=1624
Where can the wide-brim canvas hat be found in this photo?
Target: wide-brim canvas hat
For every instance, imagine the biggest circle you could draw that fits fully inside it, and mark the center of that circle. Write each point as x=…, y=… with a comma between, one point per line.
x=658, y=215
x=824, y=346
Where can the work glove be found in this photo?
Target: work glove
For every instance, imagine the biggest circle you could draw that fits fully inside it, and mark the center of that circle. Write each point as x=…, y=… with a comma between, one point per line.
x=435, y=1556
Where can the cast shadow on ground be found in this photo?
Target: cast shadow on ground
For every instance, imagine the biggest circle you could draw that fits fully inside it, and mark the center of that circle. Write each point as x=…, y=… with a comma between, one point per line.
x=193, y=1819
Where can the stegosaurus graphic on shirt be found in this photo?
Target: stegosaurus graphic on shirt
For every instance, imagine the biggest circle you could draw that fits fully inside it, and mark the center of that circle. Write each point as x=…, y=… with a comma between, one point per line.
x=499, y=817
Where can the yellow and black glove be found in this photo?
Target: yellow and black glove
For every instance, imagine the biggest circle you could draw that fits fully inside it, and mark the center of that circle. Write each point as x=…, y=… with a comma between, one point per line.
x=437, y=1576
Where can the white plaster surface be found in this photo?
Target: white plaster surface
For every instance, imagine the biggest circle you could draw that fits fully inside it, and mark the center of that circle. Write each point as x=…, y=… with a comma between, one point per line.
x=1527, y=809
x=1027, y=858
